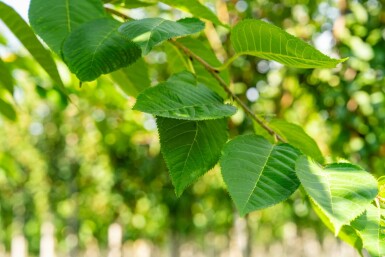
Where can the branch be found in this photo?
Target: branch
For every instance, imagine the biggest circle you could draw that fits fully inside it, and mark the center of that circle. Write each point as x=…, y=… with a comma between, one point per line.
x=117, y=13
x=214, y=72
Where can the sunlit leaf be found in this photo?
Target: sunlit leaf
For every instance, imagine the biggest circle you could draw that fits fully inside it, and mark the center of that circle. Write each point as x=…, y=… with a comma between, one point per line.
x=195, y=8
x=371, y=227
x=347, y=233
x=182, y=98
x=151, y=31
x=297, y=137
x=54, y=20
x=96, y=48
x=264, y=40
x=26, y=36
x=257, y=173
x=133, y=79
x=341, y=190
x=190, y=148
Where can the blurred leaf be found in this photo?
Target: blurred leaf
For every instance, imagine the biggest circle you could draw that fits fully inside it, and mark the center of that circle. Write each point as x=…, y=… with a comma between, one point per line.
x=7, y=110
x=264, y=40
x=341, y=190
x=195, y=8
x=381, y=187
x=347, y=233
x=5, y=77
x=257, y=173
x=190, y=148
x=133, y=79
x=371, y=227
x=198, y=47
x=182, y=98
x=176, y=61
x=26, y=36
x=131, y=4
x=54, y=20
x=96, y=48
x=297, y=137
x=152, y=31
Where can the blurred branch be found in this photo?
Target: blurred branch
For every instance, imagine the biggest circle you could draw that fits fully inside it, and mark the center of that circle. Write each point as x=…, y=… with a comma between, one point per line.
x=117, y=13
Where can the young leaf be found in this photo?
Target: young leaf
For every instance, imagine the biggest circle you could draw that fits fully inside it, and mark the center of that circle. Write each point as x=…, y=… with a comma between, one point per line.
x=6, y=79
x=257, y=173
x=203, y=50
x=96, y=48
x=151, y=31
x=190, y=148
x=54, y=20
x=371, y=227
x=7, y=110
x=133, y=79
x=182, y=98
x=26, y=36
x=264, y=40
x=195, y=8
x=341, y=190
x=297, y=137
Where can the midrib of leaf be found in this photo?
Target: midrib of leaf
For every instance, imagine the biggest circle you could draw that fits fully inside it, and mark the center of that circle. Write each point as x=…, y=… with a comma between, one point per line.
x=68, y=15
x=330, y=192
x=191, y=147
x=97, y=47
x=152, y=31
x=259, y=176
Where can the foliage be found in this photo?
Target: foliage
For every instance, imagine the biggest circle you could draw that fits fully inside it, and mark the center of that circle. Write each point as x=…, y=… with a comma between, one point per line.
x=191, y=114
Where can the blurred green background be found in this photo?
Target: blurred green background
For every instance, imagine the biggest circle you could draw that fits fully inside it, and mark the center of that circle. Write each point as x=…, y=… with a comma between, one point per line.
x=79, y=166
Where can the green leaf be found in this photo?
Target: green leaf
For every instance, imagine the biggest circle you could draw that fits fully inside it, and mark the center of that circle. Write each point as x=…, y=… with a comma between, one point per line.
x=203, y=50
x=131, y=4
x=54, y=20
x=26, y=36
x=381, y=187
x=7, y=110
x=264, y=40
x=195, y=8
x=176, y=60
x=371, y=227
x=297, y=137
x=182, y=98
x=96, y=48
x=347, y=233
x=151, y=31
x=257, y=173
x=190, y=148
x=133, y=79
x=5, y=77
x=341, y=190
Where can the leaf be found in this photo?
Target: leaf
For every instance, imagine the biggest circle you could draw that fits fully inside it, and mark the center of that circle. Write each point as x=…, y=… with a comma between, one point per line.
x=131, y=4
x=371, y=227
x=347, y=233
x=176, y=61
x=7, y=110
x=26, y=36
x=133, y=79
x=201, y=49
x=6, y=78
x=341, y=190
x=151, y=31
x=190, y=148
x=257, y=173
x=264, y=40
x=54, y=20
x=297, y=137
x=182, y=98
x=195, y=8
x=96, y=48
x=381, y=187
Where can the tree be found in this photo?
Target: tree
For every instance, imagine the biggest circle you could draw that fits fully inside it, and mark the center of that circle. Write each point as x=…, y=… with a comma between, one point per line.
x=193, y=104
